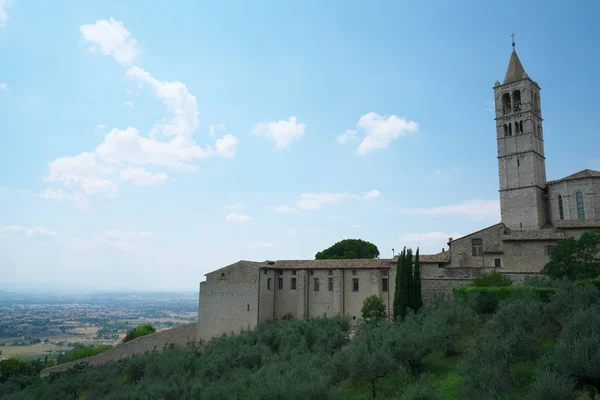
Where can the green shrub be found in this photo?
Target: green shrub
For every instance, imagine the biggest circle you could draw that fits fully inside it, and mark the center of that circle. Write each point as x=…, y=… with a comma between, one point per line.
x=492, y=279
x=287, y=317
x=549, y=385
x=485, y=302
x=81, y=351
x=141, y=330
x=418, y=391
x=466, y=292
x=373, y=309
x=541, y=281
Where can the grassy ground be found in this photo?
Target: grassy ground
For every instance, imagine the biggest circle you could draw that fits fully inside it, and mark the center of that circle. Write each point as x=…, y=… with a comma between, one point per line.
x=28, y=352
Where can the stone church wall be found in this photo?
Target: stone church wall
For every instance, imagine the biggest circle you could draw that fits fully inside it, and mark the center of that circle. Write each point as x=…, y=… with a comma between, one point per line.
x=180, y=337
x=590, y=187
x=229, y=300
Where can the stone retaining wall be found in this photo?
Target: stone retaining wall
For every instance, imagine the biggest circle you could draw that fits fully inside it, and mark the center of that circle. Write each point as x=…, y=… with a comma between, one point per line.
x=181, y=336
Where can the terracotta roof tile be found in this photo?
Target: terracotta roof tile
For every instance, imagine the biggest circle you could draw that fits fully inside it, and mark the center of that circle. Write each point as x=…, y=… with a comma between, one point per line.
x=586, y=173
x=376, y=263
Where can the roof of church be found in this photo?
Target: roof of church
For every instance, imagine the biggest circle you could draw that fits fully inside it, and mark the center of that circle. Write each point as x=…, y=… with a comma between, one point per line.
x=537, y=234
x=375, y=263
x=515, y=71
x=586, y=173
x=576, y=223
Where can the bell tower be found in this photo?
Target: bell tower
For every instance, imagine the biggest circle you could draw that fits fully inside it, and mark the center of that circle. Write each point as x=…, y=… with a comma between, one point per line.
x=521, y=161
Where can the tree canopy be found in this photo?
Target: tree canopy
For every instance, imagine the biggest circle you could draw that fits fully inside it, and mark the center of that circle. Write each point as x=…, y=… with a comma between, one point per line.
x=349, y=249
x=575, y=258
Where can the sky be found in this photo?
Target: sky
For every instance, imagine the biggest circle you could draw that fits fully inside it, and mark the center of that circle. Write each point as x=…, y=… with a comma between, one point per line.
x=146, y=143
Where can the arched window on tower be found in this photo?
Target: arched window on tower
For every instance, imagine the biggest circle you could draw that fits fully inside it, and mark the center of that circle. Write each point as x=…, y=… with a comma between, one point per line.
x=537, y=103
x=509, y=129
x=517, y=128
x=561, y=212
x=540, y=131
x=506, y=103
x=580, y=211
x=517, y=100
x=520, y=126
x=505, y=130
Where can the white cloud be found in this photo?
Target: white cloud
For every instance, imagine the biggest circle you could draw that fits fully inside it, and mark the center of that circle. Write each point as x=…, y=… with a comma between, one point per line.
x=235, y=218
x=128, y=146
x=474, y=209
x=379, y=131
x=3, y=86
x=132, y=93
x=313, y=201
x=261, y=245
x=100, y=126
x=141, y=177
x=428, y=242
x=282, y=133
x=347, y=136
x=16, y=231
x=176, y=98
x=227, y=146
x=129, y=104
x=283, y=209
x=113, y=39
x=234, y=206
x=3, y=15
x=212, y=131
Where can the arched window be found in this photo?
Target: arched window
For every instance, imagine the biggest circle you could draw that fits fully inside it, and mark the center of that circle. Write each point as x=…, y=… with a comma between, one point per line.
x=580, y=212
x=520, y=126
x=537, y=103
x=540, y=131
x=506, y=103
x=560, y=208
x=517, y=100
x=509, y=129
x=505, y=130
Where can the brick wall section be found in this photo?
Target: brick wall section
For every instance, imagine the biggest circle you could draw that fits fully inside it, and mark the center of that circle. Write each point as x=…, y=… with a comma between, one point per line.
x=180, y=337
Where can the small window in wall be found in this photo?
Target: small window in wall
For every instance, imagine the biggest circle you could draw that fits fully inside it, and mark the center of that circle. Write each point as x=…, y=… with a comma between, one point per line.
x=561, y=212
x=265, y=271
x=355, y=284
x=517, y=128
x=331, y=284
x=280, y=272
x=269, y=284
x=509, y=129
x=384, y=272
x=292, y=283
x=384, y=285
x=517, y=249
x=223, y=276
x=330, y=272
x=497, y=263
x=540, y=131
x=505, y=130
x=293, y=272
x=280, y=283
x=506, y=103
x=316, y=284
x=549, y=248
x=517, y=100
x=518, y=163
x=248, y=307
x=311, y=272
x=580, y=211
x=520, y=126
x=440, y=265
x=477, y=247
x=353, y=272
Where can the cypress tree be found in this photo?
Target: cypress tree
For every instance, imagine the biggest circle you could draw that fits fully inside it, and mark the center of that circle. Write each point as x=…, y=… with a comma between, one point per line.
x=409, y=277
x=417, y=296
x=397, y=292
x=405, y=283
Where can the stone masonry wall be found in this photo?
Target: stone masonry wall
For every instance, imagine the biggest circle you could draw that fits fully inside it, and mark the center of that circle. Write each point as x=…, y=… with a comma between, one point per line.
x=180, y=337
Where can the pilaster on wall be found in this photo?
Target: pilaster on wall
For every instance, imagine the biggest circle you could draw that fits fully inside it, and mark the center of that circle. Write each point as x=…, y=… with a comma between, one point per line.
x=302, y=294
x=338, y=292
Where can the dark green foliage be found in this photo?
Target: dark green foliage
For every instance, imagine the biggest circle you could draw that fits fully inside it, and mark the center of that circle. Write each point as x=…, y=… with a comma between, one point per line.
x=541, y=281
x=404, y=285
x=575, y=258
x=550, y=385
x=81, y=351
x=141, y=330
x=399, y=272
x=567, y=299
x=417, y=297
x=452, y=324
x=492, y=279
x=349, y=249
x=485, y=302
x=466, y=292
x=419, y=391
x=14, y=367
x=373, y=309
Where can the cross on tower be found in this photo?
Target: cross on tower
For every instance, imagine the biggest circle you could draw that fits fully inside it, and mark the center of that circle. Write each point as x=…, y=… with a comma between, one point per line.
x=513, y=40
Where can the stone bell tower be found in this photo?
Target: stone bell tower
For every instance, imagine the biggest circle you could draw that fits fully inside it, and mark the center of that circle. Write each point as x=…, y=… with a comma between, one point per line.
x=521, y=161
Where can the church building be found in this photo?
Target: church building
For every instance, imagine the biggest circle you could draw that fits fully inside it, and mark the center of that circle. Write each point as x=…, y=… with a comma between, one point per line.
x=535, y=215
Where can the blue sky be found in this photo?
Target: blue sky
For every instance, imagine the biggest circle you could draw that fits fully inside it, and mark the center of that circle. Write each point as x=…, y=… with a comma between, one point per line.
x=147, y=143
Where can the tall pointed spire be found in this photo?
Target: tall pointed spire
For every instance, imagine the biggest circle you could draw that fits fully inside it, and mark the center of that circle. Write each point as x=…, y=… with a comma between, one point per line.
x=515, y=71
